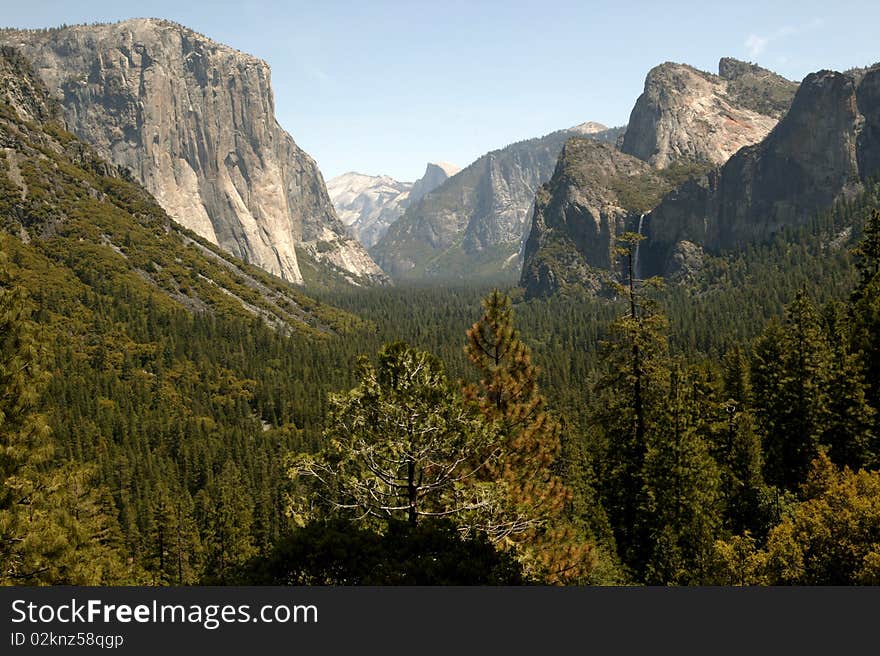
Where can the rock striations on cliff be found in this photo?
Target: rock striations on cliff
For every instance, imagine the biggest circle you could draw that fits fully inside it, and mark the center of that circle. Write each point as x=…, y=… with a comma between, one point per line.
x=194, y=121
x=684, y=124
x=685, y=113
x=369, y=204
x=823, y=149
x=589, y=200
x=474, y=224
x=81, y=234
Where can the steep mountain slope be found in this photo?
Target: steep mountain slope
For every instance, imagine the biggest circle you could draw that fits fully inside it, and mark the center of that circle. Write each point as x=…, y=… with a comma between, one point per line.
x=166, y=372
x=78, y=226
x=474, y=224
x=685, y=113
x=194, y=122
x=368, y=204
x=825, y=148
x=685, y=122
x=596, y=193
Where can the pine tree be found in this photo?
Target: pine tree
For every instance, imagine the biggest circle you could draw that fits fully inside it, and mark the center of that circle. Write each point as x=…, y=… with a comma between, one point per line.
x=849, y=431
x=630, y=401
x=738, y=448
x=791, y=375
x=533, y=518
x=736, y=377
x=173, y=553
x=404, y=446
x=683, y=503
x=864, y=315
x=226, y=517
x=867, y=254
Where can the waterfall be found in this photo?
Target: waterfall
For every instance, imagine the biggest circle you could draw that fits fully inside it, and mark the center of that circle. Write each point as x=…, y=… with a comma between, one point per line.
x=636, y=271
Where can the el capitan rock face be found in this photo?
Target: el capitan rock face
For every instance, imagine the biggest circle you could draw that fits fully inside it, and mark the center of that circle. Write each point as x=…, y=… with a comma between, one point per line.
x=194, y=121
x=67, y=212
x=687, y=114
x=824, y=148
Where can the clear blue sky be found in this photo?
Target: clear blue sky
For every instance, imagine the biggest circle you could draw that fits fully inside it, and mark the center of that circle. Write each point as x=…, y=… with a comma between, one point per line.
x=383, y=87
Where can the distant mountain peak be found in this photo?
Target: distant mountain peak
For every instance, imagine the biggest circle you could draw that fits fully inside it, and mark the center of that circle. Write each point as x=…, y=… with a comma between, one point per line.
x=446, y=167
x=369, y=204
x=436, y=173
x=731, y=68
x=590, y=127
x=473, y=225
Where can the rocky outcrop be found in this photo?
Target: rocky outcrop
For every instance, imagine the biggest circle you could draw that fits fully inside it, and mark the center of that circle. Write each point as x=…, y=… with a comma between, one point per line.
x=194, y=122
x=824, y=148
x=22, y=92
x=591, y=198
x=687, y=114
x=368, y=204
x=435, y=175
x=473, y=226
x=683, y=125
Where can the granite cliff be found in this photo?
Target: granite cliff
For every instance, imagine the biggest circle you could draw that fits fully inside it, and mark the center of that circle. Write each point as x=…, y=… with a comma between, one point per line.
x=824, y=149
x=81, y=235
x=685, y=113
x=684, y=124
x=588, y=201
x=194, y=122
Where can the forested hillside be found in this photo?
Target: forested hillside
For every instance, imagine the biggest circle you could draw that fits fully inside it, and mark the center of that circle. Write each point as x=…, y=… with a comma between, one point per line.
x=153, y=353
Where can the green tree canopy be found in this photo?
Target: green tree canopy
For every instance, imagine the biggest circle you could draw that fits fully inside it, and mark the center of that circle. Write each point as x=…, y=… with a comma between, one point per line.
x=56, y=526
x=402, y=445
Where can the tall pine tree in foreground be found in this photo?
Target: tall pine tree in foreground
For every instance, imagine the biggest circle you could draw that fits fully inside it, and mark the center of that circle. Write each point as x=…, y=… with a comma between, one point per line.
x=738, y=448
x=683, y=502
x=791, y=374
x=631, y=395
x=656, y=420
x=532, y=515
x=864, y=312
x=849, y=431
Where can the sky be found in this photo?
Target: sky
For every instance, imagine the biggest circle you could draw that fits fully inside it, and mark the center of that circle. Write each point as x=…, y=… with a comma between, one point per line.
x=383, y=87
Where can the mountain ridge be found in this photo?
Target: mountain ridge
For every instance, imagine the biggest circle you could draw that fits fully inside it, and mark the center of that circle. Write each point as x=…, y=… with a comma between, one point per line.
x=686, y=113
x=474, y=224
x=686, y=122
x=824, y=149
